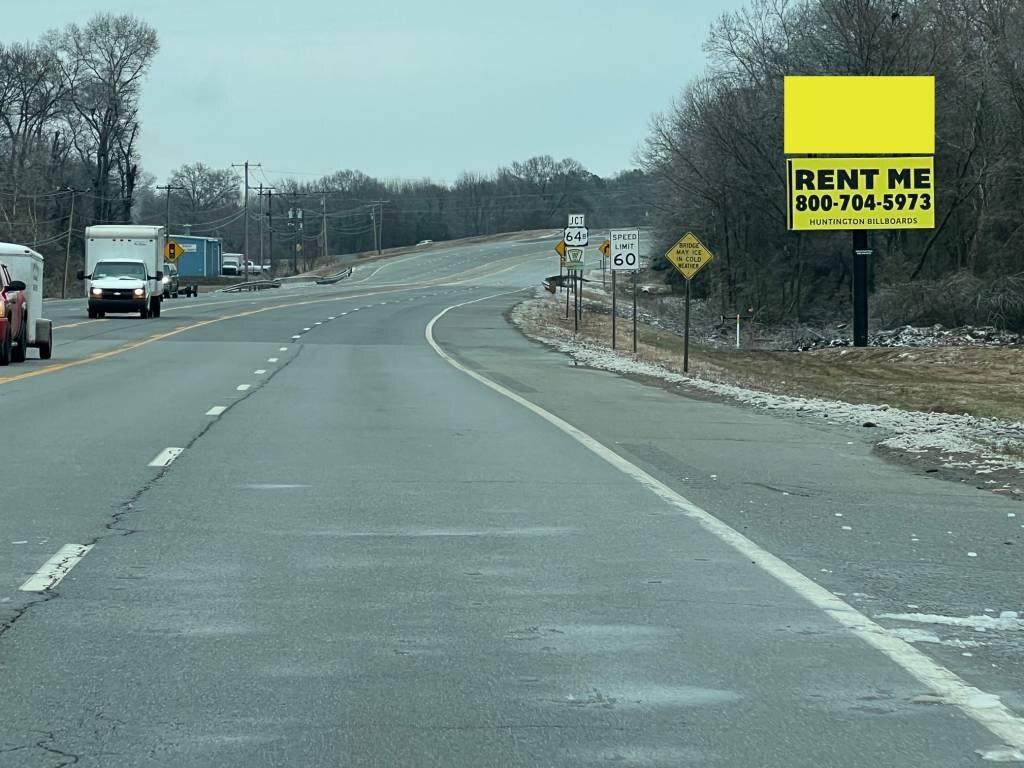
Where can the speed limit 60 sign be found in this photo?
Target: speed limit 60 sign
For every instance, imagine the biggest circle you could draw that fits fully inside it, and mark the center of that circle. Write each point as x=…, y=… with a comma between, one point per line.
x=625, y=249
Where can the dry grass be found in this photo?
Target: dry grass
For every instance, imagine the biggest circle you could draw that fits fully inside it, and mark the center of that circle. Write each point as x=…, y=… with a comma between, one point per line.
x=977, y=381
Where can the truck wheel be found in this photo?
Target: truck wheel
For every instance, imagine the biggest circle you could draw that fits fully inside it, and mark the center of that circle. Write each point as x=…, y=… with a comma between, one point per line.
x=92, y=314
x=18, y=353
x=5, y=348
x=45, y=350
x=154, y=311
x=144, y=312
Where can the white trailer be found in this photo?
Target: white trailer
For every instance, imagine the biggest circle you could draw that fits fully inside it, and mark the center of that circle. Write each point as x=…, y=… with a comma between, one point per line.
x=123, y=244
x=26, y=265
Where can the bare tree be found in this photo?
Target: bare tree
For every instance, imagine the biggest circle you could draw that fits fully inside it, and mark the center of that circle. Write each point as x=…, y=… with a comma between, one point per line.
x=104, y=64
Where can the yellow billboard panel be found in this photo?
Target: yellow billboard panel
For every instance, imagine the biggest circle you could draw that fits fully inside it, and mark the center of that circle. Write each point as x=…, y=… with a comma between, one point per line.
x=825, y=193
x=859, y=115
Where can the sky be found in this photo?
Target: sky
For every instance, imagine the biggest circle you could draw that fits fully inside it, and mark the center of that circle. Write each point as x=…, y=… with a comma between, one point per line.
x=400, y=88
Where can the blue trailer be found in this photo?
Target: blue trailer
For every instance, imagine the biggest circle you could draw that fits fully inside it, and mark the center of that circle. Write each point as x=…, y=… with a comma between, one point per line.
x=200, y=256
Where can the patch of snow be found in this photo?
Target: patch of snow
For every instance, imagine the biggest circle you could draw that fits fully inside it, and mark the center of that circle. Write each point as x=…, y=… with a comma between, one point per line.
x=1007, y=621
x=1002, y=755
x=952, y=435
x=911, y=635
x=915, y=635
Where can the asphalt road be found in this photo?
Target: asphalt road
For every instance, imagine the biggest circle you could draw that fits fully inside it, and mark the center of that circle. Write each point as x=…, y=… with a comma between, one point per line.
x=394, y=532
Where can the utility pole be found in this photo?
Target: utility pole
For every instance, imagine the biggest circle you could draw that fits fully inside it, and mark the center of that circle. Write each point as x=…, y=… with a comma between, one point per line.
x=260, y=198
x=323, y=225
x=246, y=166
x=167, y=220
x=270, y=225
x=373, y=223
x=378, y=231
x=264, y=191
x=67, y=253
x=295, y=219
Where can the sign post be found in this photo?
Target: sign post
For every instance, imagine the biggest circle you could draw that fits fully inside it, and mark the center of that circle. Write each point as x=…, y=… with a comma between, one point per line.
x=605, y=248
x=861, y=252
x=625, y=257
x=635, y=276
x=574, y=261
x=688, y=256
x=560, y=250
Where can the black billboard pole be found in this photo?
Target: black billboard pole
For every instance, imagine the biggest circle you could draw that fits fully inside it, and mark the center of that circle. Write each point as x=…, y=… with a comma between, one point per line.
x=861, y=253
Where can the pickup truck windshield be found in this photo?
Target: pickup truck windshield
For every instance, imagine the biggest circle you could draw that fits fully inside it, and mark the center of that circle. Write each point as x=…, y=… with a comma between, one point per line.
x=128, y=269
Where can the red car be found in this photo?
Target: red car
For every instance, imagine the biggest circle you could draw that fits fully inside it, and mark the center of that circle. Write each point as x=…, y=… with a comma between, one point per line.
x=13, y=319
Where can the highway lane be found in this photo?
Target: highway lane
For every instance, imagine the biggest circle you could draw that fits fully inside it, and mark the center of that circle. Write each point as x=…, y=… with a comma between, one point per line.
x=372, y=559
x=118, y=391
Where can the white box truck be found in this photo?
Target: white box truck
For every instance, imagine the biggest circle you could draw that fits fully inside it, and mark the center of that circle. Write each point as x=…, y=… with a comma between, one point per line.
x=124, y=269
x=26, y=265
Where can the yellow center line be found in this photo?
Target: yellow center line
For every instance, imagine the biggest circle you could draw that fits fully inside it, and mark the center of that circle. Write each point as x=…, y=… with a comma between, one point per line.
x=96, y=357
x=174, y=332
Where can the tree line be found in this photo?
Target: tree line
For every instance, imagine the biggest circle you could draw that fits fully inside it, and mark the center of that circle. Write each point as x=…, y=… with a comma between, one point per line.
x=716, y=160
x=358, y=213
x=69, y=158
x=69, y=129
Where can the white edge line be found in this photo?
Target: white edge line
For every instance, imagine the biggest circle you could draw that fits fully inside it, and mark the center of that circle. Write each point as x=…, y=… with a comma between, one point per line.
x=56, y=568
x=217, y=410
x=985, y=709
x=166, y=457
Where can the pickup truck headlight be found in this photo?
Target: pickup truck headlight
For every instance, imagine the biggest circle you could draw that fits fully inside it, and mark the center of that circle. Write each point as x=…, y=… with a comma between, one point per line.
x=166, y=280
x=139, y=292
x=97, y=291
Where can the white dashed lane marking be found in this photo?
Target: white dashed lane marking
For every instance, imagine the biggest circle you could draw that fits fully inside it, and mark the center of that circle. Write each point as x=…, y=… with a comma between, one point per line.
x=166, y=457
x=56, y=568
x=217, y=410
x=243, y=387
x=271, y=359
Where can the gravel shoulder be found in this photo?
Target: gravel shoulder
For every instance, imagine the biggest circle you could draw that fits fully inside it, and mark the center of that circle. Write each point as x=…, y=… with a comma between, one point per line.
x=955, y=412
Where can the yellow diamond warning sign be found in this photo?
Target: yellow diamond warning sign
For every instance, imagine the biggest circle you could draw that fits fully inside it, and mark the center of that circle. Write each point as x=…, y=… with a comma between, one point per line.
x=688, y=255
x=172, y=252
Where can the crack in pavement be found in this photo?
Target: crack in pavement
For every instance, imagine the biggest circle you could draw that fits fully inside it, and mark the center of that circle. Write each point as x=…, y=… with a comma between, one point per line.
x=127, y=507
x=50, y=736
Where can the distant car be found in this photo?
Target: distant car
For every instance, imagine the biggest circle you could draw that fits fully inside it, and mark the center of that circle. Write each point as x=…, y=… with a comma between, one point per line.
x=170, y=280
x=231, y=265
x=424, y=242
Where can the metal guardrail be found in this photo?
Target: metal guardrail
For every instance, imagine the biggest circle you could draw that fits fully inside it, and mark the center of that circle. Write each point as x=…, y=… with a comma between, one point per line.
x=332, y=279
x=252, y=285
